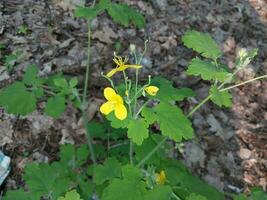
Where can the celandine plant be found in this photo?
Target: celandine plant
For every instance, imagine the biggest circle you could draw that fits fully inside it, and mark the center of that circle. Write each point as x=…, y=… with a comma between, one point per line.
x=130, y=151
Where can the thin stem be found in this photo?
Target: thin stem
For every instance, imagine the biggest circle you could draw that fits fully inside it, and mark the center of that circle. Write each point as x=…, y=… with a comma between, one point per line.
x=151, y=153
x=243, y=83
x=198, y=106
x=141, y=108
x=85, y=119
x=136, y=87
x=175, y=196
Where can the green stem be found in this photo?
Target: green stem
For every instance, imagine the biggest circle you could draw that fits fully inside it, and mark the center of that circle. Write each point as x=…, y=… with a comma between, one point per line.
x=175, y=196
x=84, y=113
x=151, y=152
x=141, y=108
x=136, y=87
x=243, y=83
x=198, y=106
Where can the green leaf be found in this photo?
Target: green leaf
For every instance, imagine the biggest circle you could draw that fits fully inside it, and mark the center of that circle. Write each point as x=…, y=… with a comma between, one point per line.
x=147, y=146
x=110, y=169
x=85, y=12
x=159, y=193
x=207, y=70
x=17, y=100
x=69, y=156
x=137, y=19
x=256, y=194
x=130, y=187
x=202, y=43
x=178, y=175
x=62, y=83
x=173, y=123
x=82, y=154
x=168, y=93
x=30, y=76
x=97, y=130
x=116, y=123
x=137, y=131
x=149, y=115
x=195, y=197
x=55, y=106
x=73, y=82
x=71, y=195
x=44, y=180
x=223, y=98
x=17, y=195
x=104, y=4
x=116, y=11
x=124, y=15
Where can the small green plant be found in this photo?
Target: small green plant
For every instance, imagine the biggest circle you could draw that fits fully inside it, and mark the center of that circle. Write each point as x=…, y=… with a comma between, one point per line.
x=129, y=155
x=13, y=58
x=23, y=29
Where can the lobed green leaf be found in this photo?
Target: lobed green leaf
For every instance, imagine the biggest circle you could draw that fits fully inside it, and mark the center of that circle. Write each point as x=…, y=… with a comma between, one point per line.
x=207, y=70
x=223, y=98
x=17, y=100
x=137, y=131
x=173, y=123
x=202, y=43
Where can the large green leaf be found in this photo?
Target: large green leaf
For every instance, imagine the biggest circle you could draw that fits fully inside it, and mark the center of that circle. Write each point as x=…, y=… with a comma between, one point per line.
x=17, y=100
x=55, y=106
x=122, y=14
x=173, y=123
x=86, y=12
x=207, y=70
x=178, y=176
x=169, y=93
x=18, y=195
x=43, y=179
x=130, y=187
x=202, y=43
x=110, y=169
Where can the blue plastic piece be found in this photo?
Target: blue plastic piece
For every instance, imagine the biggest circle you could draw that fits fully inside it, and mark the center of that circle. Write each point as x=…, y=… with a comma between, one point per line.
x=4, y=167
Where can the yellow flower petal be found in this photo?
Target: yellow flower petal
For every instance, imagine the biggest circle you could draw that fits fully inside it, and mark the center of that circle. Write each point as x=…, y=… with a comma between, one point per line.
x=109, y=93
x=107, y=108
x=120, y=111
x=161, y=178
x=152, y=90
x=112, y=72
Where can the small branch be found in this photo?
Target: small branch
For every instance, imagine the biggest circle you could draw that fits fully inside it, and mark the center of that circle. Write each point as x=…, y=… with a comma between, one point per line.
x=243, y=83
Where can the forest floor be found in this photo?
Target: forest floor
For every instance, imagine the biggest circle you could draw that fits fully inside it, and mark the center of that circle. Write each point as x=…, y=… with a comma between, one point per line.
x=230, y=149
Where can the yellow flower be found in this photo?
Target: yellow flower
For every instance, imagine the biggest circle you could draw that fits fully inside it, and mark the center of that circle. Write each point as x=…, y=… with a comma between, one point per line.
x=121, y=65
x=161, y=177
x=114, y=103
x=152, y=90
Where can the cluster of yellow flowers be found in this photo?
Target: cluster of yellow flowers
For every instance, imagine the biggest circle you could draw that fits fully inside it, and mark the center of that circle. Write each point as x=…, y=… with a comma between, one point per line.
x=115, y=101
